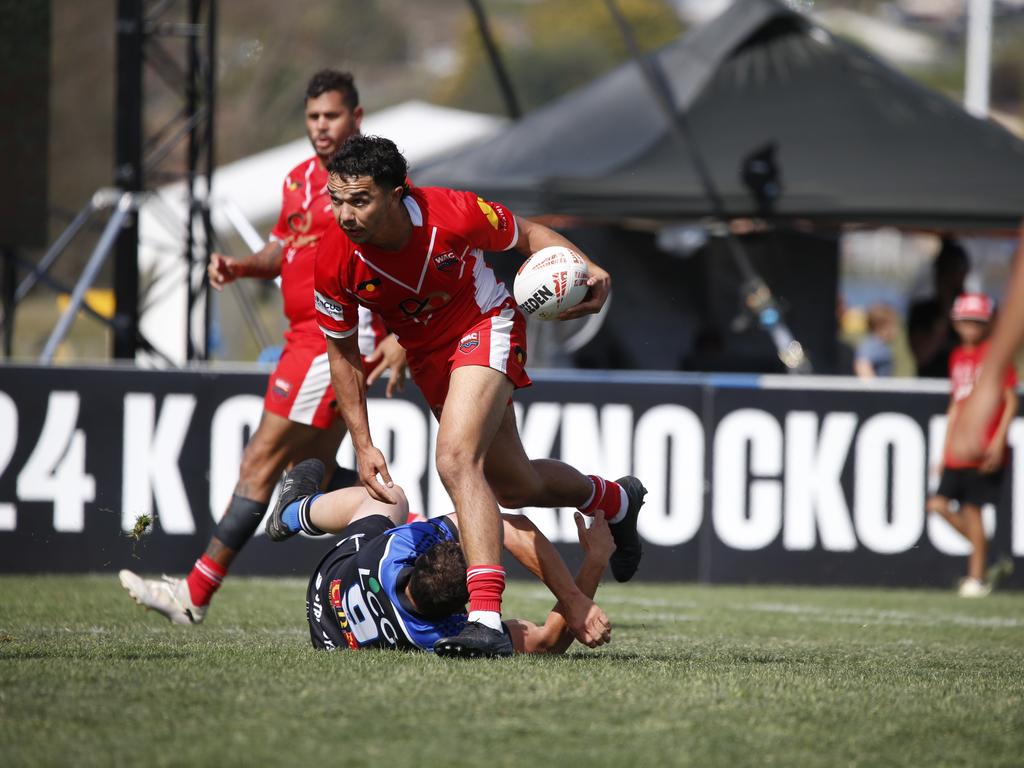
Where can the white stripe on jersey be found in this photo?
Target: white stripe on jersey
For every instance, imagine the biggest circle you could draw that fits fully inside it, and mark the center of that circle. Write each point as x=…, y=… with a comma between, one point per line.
x=309, y=189
x=367, y=336
x=489, y=293
x=515, y=233
x=336, y=335
x=311, y=392
x=501, y=339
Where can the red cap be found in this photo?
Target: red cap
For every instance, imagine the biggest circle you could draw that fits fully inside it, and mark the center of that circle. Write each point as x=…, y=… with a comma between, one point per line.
x=972, y=306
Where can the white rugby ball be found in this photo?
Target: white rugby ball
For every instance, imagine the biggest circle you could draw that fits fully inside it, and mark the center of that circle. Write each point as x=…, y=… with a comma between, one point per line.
x=551, y=281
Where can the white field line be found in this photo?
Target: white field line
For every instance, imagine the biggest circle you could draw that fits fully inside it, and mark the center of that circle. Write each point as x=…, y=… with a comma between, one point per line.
x=876, y=616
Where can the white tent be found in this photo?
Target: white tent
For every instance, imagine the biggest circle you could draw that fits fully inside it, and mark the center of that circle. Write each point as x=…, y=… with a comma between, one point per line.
x=249, y=190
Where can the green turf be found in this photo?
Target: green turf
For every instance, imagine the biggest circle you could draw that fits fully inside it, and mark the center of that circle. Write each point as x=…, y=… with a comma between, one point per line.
x=695, y=676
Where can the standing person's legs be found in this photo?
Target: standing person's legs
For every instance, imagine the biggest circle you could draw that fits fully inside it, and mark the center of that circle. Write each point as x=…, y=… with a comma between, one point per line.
x=939, y=505
x=519, y=482
x=974, y=530
x=473, y=411
x=275, y=444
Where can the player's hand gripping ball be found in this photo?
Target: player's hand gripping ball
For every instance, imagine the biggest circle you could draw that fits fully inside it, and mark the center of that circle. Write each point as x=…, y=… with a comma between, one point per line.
x=551, y=281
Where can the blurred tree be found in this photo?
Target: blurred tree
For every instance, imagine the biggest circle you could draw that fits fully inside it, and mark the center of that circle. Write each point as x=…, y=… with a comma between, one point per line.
x=267, y=56
x=551, y=48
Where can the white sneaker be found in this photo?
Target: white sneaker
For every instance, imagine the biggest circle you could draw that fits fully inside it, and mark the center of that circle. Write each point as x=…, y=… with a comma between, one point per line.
x=974, y=588
x=169, y=597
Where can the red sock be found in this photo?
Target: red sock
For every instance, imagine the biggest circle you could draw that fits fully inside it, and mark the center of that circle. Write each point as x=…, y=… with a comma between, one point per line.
x=607, y=496
x=204, y=580
x=485, y=584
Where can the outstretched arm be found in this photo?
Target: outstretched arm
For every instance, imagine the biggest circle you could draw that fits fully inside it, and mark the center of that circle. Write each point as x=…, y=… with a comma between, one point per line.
x=554, y=635
x=349, y=383
x=264, y=263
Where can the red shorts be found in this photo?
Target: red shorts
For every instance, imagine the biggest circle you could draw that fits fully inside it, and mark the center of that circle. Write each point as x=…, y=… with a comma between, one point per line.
x=300, y=389
x=497, y=342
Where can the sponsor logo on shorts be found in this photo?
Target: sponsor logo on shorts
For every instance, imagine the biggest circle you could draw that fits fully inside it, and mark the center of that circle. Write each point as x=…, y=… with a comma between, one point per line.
x=520, y=354
x=281, y=387
x=535, y=302
x=495, y=215
x=328, y=307
x=445, y=261
x=469, y=342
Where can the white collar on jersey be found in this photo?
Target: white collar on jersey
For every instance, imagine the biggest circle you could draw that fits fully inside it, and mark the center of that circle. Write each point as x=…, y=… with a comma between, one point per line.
x=414, y=210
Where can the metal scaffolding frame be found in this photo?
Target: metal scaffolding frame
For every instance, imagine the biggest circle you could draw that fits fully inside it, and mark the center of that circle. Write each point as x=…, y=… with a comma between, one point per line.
x=174, y=41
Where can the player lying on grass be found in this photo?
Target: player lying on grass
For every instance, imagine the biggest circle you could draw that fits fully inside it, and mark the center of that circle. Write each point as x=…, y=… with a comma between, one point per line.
x=387, y=585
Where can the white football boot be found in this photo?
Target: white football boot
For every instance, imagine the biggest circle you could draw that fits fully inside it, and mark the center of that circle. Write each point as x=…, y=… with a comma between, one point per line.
x=974, y=588
x=169, y=597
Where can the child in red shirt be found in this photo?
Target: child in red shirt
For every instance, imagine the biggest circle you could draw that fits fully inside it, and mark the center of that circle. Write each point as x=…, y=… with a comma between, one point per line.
x=972, y=484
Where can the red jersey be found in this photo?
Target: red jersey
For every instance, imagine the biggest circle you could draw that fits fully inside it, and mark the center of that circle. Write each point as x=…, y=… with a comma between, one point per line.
x=432, y=290
x=305, y=217
x=964, y=367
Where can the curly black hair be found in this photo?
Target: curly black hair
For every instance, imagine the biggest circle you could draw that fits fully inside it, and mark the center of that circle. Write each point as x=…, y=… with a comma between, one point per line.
x=333, y=80
x=438, y=581
x=372, y=156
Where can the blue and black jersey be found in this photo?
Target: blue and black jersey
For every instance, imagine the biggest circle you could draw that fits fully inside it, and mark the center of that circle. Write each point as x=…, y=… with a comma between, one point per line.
x=356, y=597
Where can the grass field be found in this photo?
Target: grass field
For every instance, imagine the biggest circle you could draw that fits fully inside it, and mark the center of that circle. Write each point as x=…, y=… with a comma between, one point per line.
x=695, y=676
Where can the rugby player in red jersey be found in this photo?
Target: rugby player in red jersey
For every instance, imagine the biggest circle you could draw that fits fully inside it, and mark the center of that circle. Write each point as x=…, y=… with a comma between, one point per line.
x=415, y=256
x=299, y=418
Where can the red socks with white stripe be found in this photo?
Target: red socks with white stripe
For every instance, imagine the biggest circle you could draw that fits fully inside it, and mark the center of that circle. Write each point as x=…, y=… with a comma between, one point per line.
x=609, y=497
x=205, y=579
x=485, y=583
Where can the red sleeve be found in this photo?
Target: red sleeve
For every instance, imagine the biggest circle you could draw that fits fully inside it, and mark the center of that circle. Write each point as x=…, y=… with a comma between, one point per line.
x=487, y=225
x=280, y=230
x=336, y=312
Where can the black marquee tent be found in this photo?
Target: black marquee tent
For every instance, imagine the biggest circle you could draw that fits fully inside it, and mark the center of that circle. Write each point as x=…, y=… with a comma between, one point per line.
x=855, y=140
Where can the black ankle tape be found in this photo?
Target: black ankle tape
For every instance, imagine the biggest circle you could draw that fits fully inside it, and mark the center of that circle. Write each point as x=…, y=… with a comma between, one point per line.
x=240, y=521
